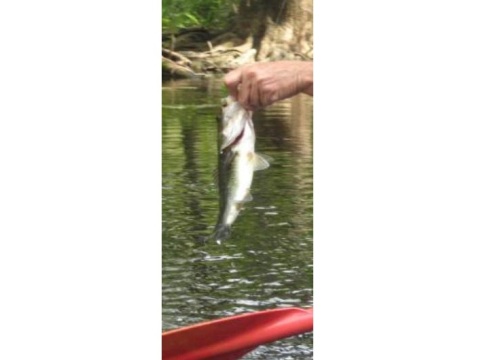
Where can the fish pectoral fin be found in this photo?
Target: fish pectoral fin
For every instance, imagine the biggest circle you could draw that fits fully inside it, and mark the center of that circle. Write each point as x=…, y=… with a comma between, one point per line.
x=260, y=162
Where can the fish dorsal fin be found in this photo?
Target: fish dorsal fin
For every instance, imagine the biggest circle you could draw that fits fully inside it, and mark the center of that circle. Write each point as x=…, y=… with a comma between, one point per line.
x=260, y=162
x=215, y=175
x=227, y=158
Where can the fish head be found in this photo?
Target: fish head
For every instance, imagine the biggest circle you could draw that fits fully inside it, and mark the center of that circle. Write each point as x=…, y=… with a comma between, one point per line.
x=233, y=121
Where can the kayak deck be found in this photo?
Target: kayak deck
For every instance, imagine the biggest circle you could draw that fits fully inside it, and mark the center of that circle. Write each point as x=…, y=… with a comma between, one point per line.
x=232, y=337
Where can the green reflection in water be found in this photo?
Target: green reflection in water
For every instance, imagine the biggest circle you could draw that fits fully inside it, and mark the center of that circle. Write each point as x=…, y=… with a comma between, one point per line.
x=267, y=262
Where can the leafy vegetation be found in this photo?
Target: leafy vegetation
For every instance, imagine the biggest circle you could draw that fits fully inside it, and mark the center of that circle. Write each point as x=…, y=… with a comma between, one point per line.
x=212, y=14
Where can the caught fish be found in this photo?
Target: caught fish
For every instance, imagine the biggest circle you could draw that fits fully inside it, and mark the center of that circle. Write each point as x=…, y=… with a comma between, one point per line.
x=236, y=164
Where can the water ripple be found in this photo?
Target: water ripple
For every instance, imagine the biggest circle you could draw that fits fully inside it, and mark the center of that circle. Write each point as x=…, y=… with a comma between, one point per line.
x=267, y=262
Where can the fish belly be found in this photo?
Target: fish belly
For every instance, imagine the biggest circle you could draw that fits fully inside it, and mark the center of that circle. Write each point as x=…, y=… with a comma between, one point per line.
x=241, y=192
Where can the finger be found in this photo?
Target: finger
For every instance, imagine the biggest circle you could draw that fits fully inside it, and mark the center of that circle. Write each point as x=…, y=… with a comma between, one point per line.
x=244, y=94
x=232, y=80
x=254, y=96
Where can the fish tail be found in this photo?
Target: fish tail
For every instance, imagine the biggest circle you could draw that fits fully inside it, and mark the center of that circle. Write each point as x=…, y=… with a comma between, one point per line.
x=222, y=232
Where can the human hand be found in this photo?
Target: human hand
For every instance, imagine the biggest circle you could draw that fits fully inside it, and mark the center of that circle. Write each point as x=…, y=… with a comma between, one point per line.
x=261, y=84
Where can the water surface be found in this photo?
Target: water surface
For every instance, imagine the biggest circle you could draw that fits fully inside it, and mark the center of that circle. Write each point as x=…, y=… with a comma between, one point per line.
x=268, y=260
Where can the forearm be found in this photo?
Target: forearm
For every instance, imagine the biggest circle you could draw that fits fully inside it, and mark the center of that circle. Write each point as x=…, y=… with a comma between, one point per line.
x=307, y=78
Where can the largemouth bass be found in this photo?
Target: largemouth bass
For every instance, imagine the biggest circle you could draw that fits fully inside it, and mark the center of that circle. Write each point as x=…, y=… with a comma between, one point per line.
x=237, y=163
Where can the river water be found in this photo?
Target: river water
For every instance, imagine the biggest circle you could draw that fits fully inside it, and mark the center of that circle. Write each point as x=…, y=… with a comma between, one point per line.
x=268, y=260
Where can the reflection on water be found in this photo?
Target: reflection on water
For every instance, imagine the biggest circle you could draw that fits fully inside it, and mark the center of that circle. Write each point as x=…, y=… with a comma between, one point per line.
x=267, y=262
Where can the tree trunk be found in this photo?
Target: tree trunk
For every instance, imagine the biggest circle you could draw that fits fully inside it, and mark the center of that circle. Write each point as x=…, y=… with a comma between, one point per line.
x=278, y=30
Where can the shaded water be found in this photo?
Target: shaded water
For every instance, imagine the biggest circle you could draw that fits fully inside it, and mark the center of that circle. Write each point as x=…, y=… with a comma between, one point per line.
x=268, y=260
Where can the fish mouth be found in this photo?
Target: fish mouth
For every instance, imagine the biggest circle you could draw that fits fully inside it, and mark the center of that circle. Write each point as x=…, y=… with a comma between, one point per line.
x=221, y=233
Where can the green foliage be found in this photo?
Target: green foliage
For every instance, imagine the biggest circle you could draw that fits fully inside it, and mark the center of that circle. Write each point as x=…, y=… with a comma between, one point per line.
x=178, y=14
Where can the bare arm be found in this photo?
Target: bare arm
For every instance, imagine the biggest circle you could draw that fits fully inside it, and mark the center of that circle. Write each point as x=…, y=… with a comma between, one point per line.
x=261, y=84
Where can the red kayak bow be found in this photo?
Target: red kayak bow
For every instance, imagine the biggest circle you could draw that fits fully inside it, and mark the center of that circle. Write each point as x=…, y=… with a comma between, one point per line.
x=232, y=337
